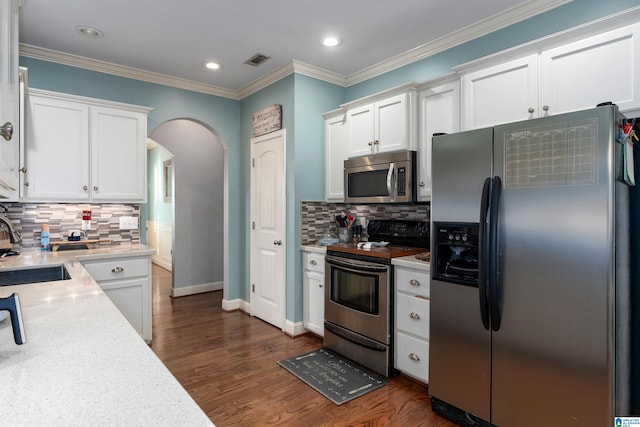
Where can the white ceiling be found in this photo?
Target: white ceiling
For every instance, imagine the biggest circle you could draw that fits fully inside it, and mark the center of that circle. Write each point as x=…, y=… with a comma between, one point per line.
x=175, y=37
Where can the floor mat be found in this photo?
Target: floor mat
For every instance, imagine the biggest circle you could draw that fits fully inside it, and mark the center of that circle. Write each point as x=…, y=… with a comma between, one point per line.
x=335, y=377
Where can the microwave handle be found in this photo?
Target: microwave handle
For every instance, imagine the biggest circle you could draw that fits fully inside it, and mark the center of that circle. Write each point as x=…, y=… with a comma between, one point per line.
x=390, y=185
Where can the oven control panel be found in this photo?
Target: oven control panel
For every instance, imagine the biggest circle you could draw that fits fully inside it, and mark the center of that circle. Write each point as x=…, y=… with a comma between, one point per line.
x=400, y=232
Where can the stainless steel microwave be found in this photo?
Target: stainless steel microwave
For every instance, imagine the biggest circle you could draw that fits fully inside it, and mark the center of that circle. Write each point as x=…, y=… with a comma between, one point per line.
x=381, y=178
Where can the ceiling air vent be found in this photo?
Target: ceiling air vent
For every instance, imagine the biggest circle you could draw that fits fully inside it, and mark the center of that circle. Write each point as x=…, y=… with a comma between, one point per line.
x=256, y=59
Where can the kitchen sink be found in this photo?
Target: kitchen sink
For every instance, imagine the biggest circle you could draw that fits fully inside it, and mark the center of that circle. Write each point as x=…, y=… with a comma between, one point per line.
x=33, y=275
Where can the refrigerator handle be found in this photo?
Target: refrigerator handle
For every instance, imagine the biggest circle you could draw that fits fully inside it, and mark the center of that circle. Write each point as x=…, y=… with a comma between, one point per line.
x=495, y=301
x=483, y=254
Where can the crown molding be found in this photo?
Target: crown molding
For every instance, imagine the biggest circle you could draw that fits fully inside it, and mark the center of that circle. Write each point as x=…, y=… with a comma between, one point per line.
x=123, y=71
x=502, y=20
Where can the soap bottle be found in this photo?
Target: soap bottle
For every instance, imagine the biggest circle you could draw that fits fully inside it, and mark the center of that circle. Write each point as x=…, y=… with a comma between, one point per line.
x=44, y=237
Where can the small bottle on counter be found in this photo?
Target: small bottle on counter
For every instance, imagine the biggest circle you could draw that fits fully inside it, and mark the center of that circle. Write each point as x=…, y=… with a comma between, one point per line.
x=44, y=238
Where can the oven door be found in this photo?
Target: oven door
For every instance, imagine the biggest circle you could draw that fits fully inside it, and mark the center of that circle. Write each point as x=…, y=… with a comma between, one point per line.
x=357, y=296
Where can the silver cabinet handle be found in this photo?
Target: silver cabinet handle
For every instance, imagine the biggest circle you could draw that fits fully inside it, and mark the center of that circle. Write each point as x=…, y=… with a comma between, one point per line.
x=277, y=242
x=376, y=142
x=313, y=262
x=370, y=143
x=320, y=285
x=85, y=188
x=531, y=110
x=422, y=184
x=23, y=169
x=414, y=282
x=414, y=356
x=6, y=131
x=117, y=270
x=545, y=107
x=95, y=188
x=413, y=315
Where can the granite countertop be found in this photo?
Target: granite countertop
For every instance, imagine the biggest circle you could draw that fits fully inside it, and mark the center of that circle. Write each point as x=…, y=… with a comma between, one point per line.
x=83, y=364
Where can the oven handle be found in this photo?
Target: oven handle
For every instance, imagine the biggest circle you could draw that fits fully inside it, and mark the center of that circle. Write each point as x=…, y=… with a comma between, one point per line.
x=341, y=262
x=353, y=338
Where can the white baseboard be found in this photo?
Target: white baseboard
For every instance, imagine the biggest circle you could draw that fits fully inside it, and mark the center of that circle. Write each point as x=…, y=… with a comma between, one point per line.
x=161, y=262
x=196, y=289
x=236, y=304
x=293, y=328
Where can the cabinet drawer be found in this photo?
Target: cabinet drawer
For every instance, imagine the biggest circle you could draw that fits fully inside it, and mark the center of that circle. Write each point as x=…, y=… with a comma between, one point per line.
x=412, y=281
x=115, y=269
x=412, y=315
x=412, y=356
x=313, y=262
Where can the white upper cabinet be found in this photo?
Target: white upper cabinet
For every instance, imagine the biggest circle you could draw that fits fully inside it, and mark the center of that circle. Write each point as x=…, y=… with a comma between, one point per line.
x=502, y=93
x=439, y=111
x=384, y=125
x=561, y=79
x=335, y=134
x=597, y=69
x=118, y=155
x=81, y=149
x=56, y=150
x=9, y=100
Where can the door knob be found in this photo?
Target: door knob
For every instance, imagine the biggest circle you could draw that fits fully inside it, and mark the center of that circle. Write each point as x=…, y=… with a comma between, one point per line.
x=277, y=242
x=6, y=131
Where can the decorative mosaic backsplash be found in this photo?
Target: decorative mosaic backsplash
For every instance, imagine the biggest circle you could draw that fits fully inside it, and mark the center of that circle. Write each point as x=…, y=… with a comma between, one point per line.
x=318, y=217
x=105, y=221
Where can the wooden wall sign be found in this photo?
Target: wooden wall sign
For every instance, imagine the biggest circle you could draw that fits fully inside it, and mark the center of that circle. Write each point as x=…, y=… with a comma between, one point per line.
x=267, y=120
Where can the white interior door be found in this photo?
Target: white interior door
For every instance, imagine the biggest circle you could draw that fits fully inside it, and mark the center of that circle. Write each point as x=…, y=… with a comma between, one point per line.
x=268, y=228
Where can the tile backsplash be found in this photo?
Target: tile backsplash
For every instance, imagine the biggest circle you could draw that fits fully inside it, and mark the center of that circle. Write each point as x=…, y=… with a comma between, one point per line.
x=62, y=217
x=318, y=217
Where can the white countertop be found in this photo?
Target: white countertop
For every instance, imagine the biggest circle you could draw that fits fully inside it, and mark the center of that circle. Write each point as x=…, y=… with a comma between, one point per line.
x=83, y=364
x=412, y=262
x=314, y=248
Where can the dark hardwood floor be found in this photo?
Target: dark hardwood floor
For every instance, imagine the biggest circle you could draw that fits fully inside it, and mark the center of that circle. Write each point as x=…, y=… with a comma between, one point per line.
x=227, y=362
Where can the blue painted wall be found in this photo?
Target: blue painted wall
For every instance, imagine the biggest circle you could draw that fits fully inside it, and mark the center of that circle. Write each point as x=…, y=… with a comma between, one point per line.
x=303, y=101
x=221, y=114
x=158, y=210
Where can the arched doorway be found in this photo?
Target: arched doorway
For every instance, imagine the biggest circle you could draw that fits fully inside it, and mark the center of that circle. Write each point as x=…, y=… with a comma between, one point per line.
x=199, y=201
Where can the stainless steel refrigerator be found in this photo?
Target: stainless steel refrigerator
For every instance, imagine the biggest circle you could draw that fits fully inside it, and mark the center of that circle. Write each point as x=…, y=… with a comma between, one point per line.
x=530, y=273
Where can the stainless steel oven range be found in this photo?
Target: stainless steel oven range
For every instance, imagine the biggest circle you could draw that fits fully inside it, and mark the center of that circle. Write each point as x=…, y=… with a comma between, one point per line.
x=359, y=292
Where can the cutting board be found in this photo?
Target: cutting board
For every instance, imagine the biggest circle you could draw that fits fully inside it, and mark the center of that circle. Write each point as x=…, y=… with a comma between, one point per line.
x=88, y=243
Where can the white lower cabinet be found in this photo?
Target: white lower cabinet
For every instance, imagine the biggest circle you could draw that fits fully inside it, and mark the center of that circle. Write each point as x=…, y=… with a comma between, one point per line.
x=127, y=283
x=313, y=292
x=411, y=353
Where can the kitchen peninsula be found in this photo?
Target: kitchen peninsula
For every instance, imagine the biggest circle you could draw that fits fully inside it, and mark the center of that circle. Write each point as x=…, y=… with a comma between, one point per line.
x=83, y=363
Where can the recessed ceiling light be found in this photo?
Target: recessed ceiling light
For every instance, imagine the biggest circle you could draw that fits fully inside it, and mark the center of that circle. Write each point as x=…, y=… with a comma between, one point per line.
x=331, y=41
x=90, y=32
x=212, y=65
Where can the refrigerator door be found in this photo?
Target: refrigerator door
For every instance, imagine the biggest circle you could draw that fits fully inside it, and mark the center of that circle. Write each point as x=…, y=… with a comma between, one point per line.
x=552, y=363
x=459, y=345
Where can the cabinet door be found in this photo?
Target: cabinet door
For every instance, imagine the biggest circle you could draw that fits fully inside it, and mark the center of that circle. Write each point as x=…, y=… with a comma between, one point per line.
x=335, y=154
x=439, y=113
x=56, y=150
x=118, y=155
x=593, y=70
x=314, y=302
x=360, y=131
x=501, y=94
x=9, y=99
x=129, y=297
x=392, y=124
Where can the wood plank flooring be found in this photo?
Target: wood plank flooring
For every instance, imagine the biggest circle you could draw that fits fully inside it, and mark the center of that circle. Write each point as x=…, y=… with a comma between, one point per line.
x=227, y=362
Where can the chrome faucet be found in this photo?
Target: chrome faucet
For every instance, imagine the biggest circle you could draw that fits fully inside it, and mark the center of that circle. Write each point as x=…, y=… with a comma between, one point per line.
x=12, y=304
x=14, y=235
